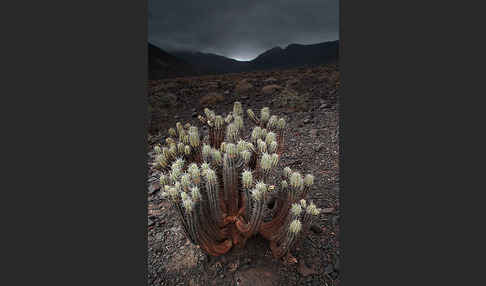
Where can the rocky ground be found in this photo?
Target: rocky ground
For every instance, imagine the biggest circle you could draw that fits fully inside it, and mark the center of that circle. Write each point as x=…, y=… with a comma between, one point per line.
x=307, y=98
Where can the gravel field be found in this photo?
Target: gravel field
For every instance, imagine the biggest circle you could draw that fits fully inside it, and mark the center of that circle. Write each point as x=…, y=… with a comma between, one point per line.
x=308, y=100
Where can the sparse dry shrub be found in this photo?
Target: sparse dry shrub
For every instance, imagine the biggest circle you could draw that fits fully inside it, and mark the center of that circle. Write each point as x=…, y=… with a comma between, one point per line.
x=243, y=87
x=291, y=100
x=166, y=100
x=211, y=99
x=271, y=89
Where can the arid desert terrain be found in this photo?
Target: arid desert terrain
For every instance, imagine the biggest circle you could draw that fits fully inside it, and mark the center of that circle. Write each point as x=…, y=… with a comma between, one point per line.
x=308, y=99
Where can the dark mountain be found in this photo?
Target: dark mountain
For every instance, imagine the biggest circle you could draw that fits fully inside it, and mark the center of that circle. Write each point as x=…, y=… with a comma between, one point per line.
x=189, y=63
x=206, y=63
x=271, y=57
x=296, y=55
x=164, y=65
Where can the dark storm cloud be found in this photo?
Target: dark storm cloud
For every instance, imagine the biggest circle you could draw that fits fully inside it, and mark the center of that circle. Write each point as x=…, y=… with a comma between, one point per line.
x=241, y=29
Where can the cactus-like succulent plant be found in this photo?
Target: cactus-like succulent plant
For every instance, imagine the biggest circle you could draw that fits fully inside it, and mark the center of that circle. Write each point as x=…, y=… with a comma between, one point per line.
x=221, y=187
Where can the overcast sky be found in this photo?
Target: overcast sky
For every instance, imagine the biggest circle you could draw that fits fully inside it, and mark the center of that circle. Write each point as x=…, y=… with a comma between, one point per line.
x=240, y=29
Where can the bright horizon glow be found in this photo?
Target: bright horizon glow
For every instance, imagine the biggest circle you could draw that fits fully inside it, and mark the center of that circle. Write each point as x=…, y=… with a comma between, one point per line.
x=242, y=55
x=242, y=59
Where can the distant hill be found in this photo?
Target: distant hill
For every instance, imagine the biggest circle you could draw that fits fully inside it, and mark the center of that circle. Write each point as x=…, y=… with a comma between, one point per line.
x=164, y=65
x=294, y=55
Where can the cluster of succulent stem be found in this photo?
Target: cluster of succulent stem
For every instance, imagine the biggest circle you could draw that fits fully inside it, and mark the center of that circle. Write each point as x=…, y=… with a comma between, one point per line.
x=221, y=188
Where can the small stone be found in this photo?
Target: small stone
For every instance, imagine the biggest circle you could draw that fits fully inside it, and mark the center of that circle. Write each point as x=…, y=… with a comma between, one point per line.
x=292, y=82
x=232, y=267
x=335, y=220
x=327, y=210
x=316, y=229
x=318, y=148
x=329, y=269
x=211, y=98
x=270, y=89
x=270, y=80
x=334, y=275
x=221, y=276
x=304, y=270
x=153, y=188
x=243, y=86
x=150, y=222
x=223, y=259
x=307, y=120
x=337, y=263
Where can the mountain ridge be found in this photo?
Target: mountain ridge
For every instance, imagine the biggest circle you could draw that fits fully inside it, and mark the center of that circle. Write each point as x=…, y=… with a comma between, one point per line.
x=164, y=65
x=294, y=55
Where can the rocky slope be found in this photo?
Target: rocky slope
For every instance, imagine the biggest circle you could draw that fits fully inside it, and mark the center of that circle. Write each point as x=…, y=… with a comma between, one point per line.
x=294, y=55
